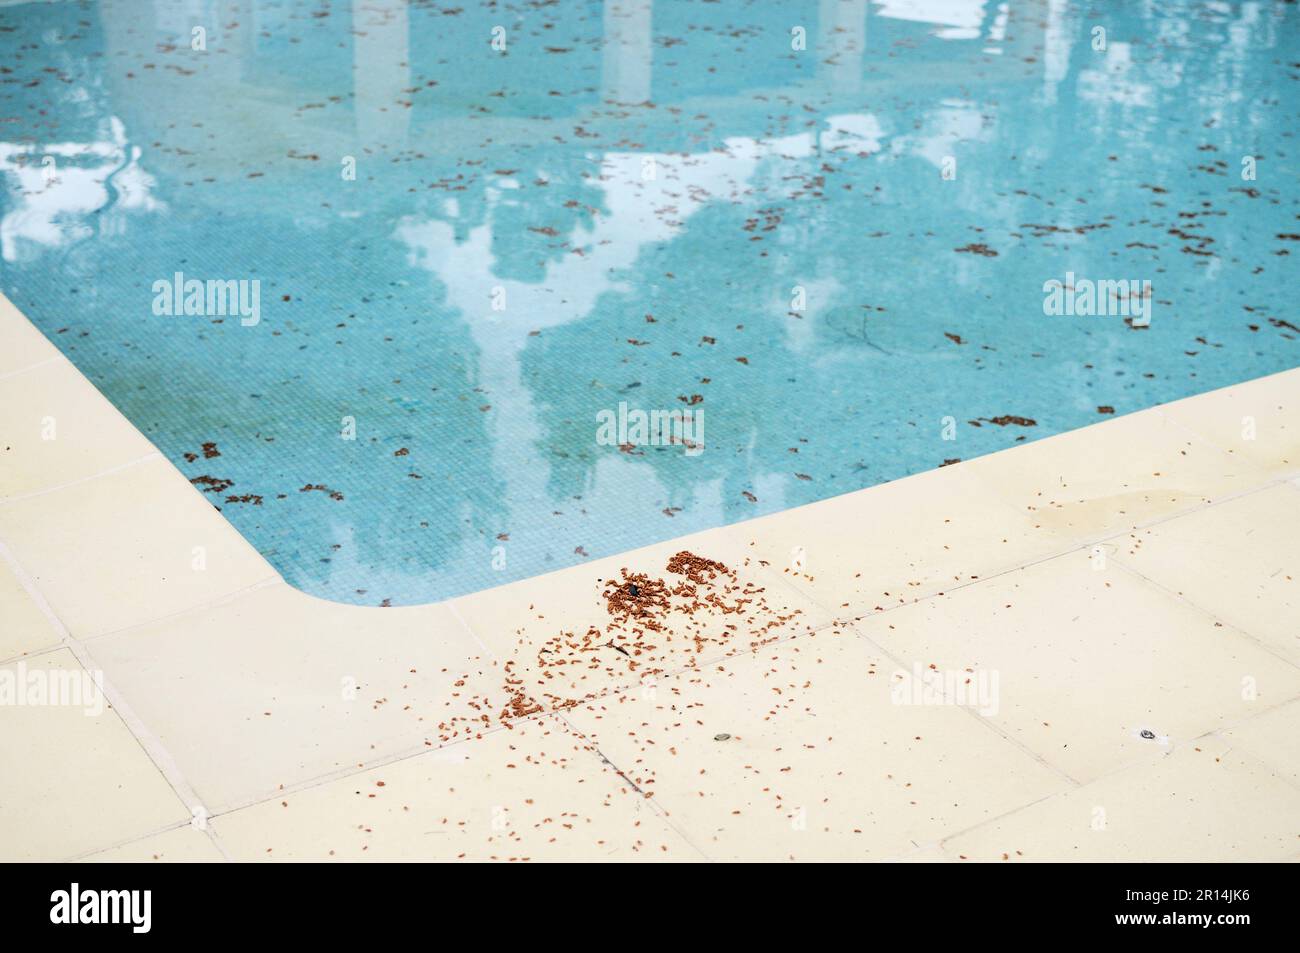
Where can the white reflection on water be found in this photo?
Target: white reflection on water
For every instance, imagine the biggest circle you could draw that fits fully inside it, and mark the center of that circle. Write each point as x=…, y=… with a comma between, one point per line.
x=86, y=189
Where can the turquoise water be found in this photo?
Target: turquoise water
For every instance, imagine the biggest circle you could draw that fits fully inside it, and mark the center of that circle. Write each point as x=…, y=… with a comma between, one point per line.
x=837, y=253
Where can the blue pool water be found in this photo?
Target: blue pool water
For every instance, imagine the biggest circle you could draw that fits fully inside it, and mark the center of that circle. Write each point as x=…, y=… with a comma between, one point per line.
x=830, y=251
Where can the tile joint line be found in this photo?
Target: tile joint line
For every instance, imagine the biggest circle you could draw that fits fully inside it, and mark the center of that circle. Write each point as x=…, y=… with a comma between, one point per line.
x=149, y=744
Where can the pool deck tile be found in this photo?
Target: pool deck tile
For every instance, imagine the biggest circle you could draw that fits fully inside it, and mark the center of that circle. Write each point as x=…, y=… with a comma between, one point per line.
x=906, y=540
x=21, y=344
x=1258, y=420
x=798, y=751
x=1239, y=560
x=180, y=845
x=127, y=547
x=74, y=777
x=1272, y=738
x=537, y=792
x=26, y=628
x=273, y=689
x=1132, y=574
x=1204, y=801
x=1087, y=654
x=1092, y=483
x=55, y=430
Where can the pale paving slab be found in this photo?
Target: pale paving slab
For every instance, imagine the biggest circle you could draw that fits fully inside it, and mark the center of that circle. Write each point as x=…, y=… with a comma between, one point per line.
x=21, y=344
x=1273, y=738
x=1258, y=420
x=797, y=751
x=1113, y=476
x=1202, y=802
x=24, y=628
x=1239, y=560
x=895, y=543
x=933, y=854
x=521, y=622
x=180, y=845
x=274, y=688
x=1085, y=659
x=57, y=428
x=537, y=792
x=72, y=781
x=124, y=548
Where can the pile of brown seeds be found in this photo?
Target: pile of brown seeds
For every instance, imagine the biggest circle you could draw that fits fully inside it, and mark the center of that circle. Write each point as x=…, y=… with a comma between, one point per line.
x=653, y=625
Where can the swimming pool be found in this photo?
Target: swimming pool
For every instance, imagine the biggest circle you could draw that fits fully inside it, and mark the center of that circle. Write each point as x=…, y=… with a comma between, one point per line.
x=432, y=297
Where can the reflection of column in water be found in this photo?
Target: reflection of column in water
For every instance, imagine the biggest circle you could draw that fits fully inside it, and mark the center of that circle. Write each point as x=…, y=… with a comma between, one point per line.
x=381, y=69
x=240, y=39
x=128, y=30
x=843, y=36
x=178, y=19
x=1056, y=48
x=625, y=70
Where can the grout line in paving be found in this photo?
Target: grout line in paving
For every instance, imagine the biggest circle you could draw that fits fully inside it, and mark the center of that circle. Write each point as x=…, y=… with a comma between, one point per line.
x=26, y=656
x=31, y=367
x=166, y=829
x=1005, y=814
x=1241, y=752
x=1138, y=762
x=1231, y=454
x=263, y=583
x=148, y=742
x=451, y=606
x=340, y=774
x=21, y=497
x=972, y=712
x=653, y=806
x=1204, y=611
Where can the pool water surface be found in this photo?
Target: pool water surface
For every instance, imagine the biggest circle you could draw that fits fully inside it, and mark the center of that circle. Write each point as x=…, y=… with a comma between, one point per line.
x=468, y=246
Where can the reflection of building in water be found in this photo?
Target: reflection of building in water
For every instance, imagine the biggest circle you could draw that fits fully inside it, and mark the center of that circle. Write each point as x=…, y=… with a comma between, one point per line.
x=381, y=71
x=408, y=80
x=843, y=42
x=61, y=193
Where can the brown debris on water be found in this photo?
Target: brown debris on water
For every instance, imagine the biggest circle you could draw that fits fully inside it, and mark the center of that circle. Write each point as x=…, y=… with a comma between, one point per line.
x=322, y=488
x=978, y=248
x=1006, y=419
x=211, y=484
